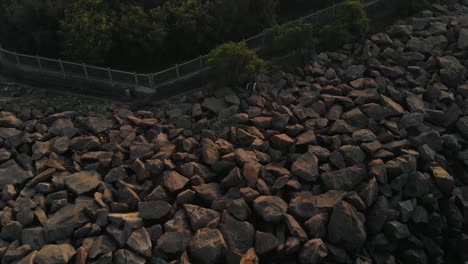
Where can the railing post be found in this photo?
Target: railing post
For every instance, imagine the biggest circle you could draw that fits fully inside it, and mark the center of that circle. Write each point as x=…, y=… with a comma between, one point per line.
x=17, y=59
x=109, y=72
x=151, y=80
x=61, y=67
x=136, y=78
x=177, y=70
x=85, y=71
x=38, y=59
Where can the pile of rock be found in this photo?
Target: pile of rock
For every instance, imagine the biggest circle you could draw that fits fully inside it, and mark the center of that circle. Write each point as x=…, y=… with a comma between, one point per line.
x=359, y=157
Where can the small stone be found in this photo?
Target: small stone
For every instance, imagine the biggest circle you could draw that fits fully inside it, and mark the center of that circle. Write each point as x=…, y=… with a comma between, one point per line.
x=200, y=217
x=175, y=182
x=396, y=230
x=154, y=210
x=345, y=179
x=265, y=243
x=302, y=206
x=207, y=246
x=443, y=179
x=82, y=182
x=140, y=242
x=346, y=228
x=174, y=242
x=281, y=141
x=316, y=226
x=270, y=208
x=314, y=251
x=306, y=167
x=55, y=254
x=239, y=235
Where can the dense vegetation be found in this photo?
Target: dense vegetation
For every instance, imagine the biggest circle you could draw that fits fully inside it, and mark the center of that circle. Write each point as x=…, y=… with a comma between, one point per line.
x=147, y=35
x=139, y=35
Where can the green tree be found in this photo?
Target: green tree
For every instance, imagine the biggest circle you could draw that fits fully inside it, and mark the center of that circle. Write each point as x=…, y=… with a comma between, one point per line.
x=235, y=62
x=31, y=26
x=188, y=25
x=349, y=24
x=139, y=34
x=87, y=31
x=298, y=39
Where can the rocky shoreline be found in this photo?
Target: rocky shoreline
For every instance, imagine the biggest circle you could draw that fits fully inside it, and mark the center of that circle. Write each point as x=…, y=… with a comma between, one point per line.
x=360, y=156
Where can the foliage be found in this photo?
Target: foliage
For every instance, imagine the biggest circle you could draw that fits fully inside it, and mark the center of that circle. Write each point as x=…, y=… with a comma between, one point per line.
x=87, y=31
x=297, y=39
x=235, y=61
x=140, y=34
x=31, y=25
x=349, y=24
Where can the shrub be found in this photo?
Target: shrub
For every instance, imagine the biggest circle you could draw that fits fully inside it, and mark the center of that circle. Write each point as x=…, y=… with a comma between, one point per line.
x=235, y=62
x=350, y=24
x=297, y=39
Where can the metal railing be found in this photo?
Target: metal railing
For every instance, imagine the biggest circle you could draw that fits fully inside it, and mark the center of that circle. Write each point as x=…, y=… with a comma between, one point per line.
x=149, y=80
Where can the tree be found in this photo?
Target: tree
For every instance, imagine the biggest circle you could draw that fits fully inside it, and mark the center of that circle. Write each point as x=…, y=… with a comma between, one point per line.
x=87, y=31
x=349, y=24
x=188, y=25
x=235, y=62
x=298, y=39
x=139, y=35
x=31, y=26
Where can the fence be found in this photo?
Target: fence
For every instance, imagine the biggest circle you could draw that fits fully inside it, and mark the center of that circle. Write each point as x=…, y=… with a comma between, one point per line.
x=149, y=80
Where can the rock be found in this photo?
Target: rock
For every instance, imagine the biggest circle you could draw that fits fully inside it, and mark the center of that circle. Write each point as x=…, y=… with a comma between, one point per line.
x=207, y=246
x=238, y=235
x=96, y=124
x=306, y=167
x=463, y=39
x=35, y=237
x=250, y=257
x=346, y=228
x=316, y=226
x=208, y=192
x=214, y=105
x=55, y=254
x=102, y=245
x=314, y=251
x=344, y=179
x=174, y=242
x=123, y=256
x=251, y=172
x=295, y=228
x=418, y=184
x=354, y=72
x=175, y=182
x=462, y=126
x=11, y=122
x=281, y=141
x=200, y=217
x=302, y=206
x=11, y=173
x=270, y=208
x=154, y=210
x=306, y=138
x=265, y=243
x=396, y=230
x=443, y=179
x=140, y=242
x=352, y=154
x=381, y=39
x=62, y=223
x=82, y=182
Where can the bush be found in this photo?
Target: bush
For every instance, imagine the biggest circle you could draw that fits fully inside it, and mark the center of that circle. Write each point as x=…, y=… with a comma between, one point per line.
x=298, y=39
x=235, y=62
x=350, y=24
